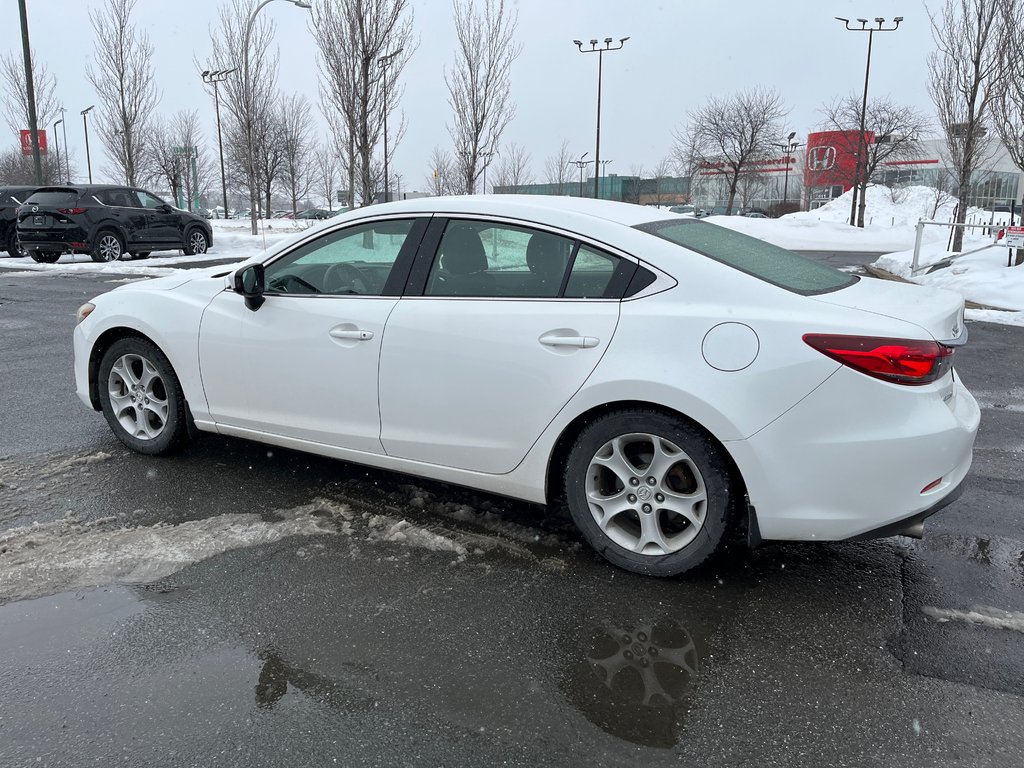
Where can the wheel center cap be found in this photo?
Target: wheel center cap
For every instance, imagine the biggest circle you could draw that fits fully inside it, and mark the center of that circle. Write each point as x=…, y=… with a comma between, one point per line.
x=644, y=493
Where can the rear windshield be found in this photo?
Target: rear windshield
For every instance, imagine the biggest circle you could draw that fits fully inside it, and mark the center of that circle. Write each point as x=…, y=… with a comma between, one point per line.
x=755, y=257
x=53, y=197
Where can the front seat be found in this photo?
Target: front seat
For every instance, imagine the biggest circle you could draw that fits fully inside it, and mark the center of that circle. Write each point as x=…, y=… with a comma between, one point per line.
x=463, y=264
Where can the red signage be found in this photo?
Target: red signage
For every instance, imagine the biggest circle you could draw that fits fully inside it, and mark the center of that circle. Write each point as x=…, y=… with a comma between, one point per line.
x=26, y=142
x=832, y=158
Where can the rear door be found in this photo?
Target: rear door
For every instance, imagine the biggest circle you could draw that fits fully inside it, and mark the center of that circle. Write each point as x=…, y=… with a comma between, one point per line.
x=510, y=322
x=121, y=208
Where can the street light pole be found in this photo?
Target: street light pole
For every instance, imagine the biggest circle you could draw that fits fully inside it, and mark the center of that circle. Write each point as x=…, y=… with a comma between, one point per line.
x=30, y=94
x=212, y=77
x=85, y=125
x=246, y=85
x=600, y=60
x=67, y=155
x=57, y=144
x=861, y=144
x=384, y=61
x=581, y=164
x=789, y=148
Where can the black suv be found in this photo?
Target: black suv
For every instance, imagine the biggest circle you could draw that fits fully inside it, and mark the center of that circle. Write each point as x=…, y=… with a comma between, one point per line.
x=10, y=199
x=106, y=222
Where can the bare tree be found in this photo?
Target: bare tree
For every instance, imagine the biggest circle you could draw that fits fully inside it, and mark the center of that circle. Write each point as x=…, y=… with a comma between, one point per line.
x=556, y=169
x=325, y=173
x=353, y=36
x=15, y=98
x=441, y=180
x=732, y=132
x=16, y=168
x=662, y=172
x=1008, y=102
x=123, y=77
x=247, y=96
x=479, y=84
x=296, y=143
x=896, y=128
x=176, y=156
x=513, y=169
x=962, y=73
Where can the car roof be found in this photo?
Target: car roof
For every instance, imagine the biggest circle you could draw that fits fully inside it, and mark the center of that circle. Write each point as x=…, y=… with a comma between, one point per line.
x=529, y=207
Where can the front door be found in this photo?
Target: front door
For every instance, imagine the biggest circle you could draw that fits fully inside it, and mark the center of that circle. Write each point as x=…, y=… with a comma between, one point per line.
x=162, y=226
x=304, y=365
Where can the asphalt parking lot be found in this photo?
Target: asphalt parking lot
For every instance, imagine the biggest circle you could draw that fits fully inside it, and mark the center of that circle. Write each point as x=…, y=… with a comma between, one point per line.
x=241, y=606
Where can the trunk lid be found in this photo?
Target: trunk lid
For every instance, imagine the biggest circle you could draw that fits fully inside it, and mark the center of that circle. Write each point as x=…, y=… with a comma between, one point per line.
x=938, y=312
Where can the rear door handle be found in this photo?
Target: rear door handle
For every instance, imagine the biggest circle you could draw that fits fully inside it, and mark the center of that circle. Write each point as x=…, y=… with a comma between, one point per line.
x=556, y=340
x=358, y=335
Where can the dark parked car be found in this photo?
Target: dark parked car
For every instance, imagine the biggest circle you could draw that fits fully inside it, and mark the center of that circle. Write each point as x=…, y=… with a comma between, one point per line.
x=10, y=199
x=106, y=222
x=313, y=213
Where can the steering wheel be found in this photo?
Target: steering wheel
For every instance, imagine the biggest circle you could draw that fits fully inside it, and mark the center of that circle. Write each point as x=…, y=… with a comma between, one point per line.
x=345, y=278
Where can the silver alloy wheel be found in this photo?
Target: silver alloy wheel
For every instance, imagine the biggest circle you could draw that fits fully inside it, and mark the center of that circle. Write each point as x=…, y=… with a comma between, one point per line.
x=138, y=397
x=197, y=242
x=646, y=494
x=640, y=649
x=109, y=247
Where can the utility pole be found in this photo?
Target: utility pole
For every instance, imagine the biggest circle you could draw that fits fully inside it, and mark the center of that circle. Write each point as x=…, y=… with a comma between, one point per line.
x=30, y=93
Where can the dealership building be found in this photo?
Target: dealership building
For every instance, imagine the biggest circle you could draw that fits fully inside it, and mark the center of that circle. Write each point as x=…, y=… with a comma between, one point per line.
x=820, y=171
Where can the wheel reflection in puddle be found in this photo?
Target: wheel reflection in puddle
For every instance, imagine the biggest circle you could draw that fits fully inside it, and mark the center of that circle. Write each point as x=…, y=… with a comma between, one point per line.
x=635, y=682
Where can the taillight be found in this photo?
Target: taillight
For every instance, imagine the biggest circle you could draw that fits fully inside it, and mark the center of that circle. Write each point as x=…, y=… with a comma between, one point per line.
x=71, y=211
x=901, y=361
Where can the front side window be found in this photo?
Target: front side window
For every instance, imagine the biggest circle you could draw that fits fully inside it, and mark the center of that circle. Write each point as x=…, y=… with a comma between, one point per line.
x=149, y=201
x=354, y=261
x=486, y=260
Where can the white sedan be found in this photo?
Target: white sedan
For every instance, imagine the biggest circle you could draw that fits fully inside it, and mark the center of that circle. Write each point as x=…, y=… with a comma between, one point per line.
x=673, y=382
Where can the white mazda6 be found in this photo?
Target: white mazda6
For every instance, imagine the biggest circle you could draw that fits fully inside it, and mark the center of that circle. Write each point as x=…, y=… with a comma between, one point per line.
x=671, y=381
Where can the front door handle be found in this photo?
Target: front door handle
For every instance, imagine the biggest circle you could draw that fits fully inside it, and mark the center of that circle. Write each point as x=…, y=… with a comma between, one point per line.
x=358, y=335
x=556, y=340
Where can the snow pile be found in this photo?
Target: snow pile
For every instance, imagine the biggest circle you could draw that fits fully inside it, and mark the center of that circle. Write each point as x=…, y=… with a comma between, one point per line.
x=982, y=615
x=403, y=532
x=890, y=220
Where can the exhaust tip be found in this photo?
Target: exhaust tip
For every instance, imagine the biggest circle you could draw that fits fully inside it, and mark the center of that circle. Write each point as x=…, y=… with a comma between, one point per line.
x=913, y=531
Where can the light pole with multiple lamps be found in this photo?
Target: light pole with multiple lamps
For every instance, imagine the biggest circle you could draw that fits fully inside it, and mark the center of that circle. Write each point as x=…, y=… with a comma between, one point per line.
x=789, y=148
x=246, y=85
x=861, y=144
x=383, y=61
x=85, y=125
x=581, y=164
x=600, y=59
x=212, y=77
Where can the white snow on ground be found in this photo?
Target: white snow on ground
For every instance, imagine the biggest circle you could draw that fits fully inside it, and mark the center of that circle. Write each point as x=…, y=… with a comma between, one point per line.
x=982, y=615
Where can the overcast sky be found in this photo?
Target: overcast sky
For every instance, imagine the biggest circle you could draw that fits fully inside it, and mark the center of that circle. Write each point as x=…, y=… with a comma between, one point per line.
x=679, y=53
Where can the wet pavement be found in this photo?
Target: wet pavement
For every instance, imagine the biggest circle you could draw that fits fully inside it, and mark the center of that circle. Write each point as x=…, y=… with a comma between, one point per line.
x=239, y=605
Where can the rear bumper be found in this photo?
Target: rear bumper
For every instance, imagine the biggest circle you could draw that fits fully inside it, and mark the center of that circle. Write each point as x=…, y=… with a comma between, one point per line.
x=913, y=525
x=53, y=239
x=853, y=459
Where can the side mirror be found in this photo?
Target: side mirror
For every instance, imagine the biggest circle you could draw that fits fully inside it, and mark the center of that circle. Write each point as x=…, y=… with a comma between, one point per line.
x=165, y=208
x=249, y=282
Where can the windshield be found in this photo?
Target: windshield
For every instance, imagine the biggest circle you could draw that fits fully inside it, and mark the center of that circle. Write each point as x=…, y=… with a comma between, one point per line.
x=763, y=260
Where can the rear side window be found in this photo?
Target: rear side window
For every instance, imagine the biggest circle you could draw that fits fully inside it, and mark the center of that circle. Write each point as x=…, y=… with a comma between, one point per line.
x=53, y=197
x=765, y=261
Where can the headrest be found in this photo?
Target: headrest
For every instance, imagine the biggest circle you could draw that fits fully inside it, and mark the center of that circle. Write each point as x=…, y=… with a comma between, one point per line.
x=462, y=253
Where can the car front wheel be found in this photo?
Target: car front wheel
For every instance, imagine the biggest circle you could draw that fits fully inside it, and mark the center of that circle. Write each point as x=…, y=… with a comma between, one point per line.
x=108, y=247
x=650, y=492
x=196, y=242
x=141, y=397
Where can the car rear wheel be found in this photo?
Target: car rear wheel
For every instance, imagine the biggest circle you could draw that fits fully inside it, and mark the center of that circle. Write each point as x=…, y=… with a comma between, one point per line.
x=108, y=247
x=141, y=397
x=14, y=249
x=44, y=257
x=650, y=492
x=195, y=242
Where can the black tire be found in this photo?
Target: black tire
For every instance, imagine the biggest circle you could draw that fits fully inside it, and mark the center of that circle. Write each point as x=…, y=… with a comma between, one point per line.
x=108, y=246
x=196, y=242
x=698, y=472
x=14, y=249
x=141, y=364
x=44, y=257
x=141, y=255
